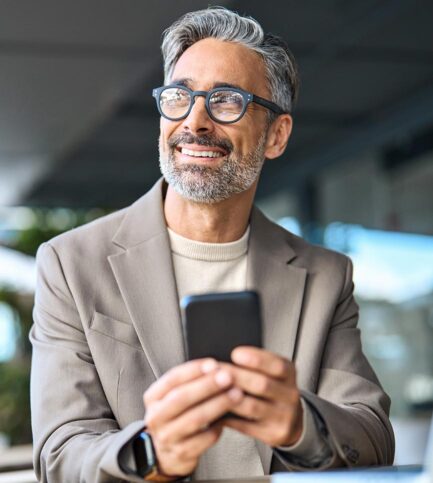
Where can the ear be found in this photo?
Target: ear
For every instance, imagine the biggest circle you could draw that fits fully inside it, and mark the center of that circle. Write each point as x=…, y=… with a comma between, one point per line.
x=278, y=136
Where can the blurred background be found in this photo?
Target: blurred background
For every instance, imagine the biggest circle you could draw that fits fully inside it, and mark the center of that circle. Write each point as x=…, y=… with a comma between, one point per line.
x=78, y=139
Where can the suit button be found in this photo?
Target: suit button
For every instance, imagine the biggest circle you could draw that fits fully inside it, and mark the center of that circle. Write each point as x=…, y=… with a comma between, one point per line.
x=352, y=455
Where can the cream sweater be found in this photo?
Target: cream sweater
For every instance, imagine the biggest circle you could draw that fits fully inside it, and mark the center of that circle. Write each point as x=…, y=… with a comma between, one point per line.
x=222, y=267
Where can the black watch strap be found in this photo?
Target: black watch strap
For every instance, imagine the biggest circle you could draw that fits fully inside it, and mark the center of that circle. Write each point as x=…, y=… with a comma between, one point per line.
x=145, y=459
x=144, y=454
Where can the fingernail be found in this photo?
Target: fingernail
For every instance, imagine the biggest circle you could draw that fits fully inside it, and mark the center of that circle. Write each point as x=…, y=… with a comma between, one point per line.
x=209, y=366
x=235, y=394
x=223, y=378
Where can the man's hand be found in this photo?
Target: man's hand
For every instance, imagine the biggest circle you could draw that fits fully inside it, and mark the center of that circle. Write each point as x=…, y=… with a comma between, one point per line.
x=271, y=402
x=180, y=409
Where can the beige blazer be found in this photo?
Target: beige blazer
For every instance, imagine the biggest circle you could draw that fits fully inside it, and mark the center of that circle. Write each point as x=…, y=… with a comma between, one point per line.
x=107, y=324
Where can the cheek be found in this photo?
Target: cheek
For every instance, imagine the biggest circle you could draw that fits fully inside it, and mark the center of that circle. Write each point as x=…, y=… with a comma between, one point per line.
x=248, y=142
x=167, y=129
x=161, y=146
x=238, y=138
x=247, y=134
x=164, y=135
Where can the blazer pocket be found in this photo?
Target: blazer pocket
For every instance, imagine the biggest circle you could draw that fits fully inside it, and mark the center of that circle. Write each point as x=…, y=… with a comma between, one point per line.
x=115, y=329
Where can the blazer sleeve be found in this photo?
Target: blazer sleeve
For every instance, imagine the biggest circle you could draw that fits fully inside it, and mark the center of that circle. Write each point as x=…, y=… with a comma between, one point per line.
x=76, y=437
x=349, y=400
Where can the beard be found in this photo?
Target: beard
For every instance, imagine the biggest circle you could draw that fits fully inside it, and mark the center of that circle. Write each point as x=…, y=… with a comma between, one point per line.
x=211, y=184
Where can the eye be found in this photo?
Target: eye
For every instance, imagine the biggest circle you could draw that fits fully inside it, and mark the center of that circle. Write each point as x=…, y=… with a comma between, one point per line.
x=174, y=102
x=227, y=97
x=174, y=96
x=226, y=105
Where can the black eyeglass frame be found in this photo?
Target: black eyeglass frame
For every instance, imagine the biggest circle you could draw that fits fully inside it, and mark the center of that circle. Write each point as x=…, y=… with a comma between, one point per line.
x=247, y=97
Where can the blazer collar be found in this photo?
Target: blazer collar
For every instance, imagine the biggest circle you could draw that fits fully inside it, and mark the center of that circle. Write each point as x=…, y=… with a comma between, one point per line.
x=144, y=219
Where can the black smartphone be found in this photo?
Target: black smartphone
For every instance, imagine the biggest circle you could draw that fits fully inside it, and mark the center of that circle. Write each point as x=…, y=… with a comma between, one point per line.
x=215, y=323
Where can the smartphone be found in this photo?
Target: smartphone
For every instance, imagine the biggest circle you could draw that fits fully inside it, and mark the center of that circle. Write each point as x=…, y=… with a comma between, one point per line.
x=215, y=323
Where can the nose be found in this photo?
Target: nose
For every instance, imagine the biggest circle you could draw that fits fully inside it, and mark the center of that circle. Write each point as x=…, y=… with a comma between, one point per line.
x=198, y=120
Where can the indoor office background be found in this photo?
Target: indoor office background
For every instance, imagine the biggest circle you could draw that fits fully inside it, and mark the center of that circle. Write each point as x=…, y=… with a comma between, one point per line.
x=78, y=139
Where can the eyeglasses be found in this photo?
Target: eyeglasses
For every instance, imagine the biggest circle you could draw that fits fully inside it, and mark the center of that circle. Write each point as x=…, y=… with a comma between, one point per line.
x=223, y=104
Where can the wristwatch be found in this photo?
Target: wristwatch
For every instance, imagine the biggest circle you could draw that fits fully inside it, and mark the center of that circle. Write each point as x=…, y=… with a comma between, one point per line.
x=145, y=459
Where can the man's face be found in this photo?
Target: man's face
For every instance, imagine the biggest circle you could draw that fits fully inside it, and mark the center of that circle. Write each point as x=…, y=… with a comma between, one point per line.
x=205, y=161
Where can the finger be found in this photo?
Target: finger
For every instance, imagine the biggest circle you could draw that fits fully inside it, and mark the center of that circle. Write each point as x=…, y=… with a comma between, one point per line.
x=259, y=384
x=249, y=428
x=253, y=409
x=263, y=361
x=282, y=431
x=200, y=417
x=282, y=426
x=186, y=396
x=194, y=446
x=178, y=375
x=186, y=453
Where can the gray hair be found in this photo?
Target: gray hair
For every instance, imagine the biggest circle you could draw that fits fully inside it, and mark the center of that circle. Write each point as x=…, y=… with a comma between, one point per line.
x=223, y=24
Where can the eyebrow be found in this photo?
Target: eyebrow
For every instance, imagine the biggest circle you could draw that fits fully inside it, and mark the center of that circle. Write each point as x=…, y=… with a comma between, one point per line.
x=186, y=82
x=226, y=84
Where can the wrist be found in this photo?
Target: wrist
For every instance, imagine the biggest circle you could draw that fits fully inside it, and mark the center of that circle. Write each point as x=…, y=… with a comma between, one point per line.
x=157, y=475
x=146, y=461
x=297, y=427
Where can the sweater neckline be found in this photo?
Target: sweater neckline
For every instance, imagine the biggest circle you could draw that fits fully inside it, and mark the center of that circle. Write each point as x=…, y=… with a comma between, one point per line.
x=210, y=252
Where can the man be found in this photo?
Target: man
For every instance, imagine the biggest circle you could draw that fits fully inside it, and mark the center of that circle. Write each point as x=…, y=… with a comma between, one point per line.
x=107, y=324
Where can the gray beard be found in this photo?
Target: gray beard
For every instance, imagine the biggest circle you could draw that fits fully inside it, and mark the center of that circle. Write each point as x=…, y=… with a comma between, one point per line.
x=206, y=184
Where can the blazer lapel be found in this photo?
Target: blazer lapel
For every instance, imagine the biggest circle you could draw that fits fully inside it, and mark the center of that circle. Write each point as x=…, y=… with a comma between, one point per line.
x=144, y=274
x=281, y=288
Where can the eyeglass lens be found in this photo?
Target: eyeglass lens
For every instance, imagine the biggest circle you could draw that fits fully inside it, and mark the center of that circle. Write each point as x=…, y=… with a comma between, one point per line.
x=224, y=105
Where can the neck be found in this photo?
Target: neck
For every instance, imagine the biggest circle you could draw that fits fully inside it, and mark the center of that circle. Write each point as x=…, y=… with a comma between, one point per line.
x=221, y=222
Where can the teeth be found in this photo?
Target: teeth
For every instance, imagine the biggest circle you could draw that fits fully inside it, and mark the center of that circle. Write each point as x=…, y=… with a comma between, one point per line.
x=201, y=154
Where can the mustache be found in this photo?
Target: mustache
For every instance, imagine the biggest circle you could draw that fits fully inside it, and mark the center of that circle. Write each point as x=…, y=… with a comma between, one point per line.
x=204, y=140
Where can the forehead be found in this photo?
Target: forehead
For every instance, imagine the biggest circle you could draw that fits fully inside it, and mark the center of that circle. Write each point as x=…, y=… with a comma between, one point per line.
x=212, y=61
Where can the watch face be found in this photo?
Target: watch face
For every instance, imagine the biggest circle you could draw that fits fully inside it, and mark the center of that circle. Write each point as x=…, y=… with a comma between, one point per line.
x=144, y=454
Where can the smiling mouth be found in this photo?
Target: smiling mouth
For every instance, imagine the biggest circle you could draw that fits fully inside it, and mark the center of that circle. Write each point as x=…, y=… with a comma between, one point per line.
x=202, y=153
